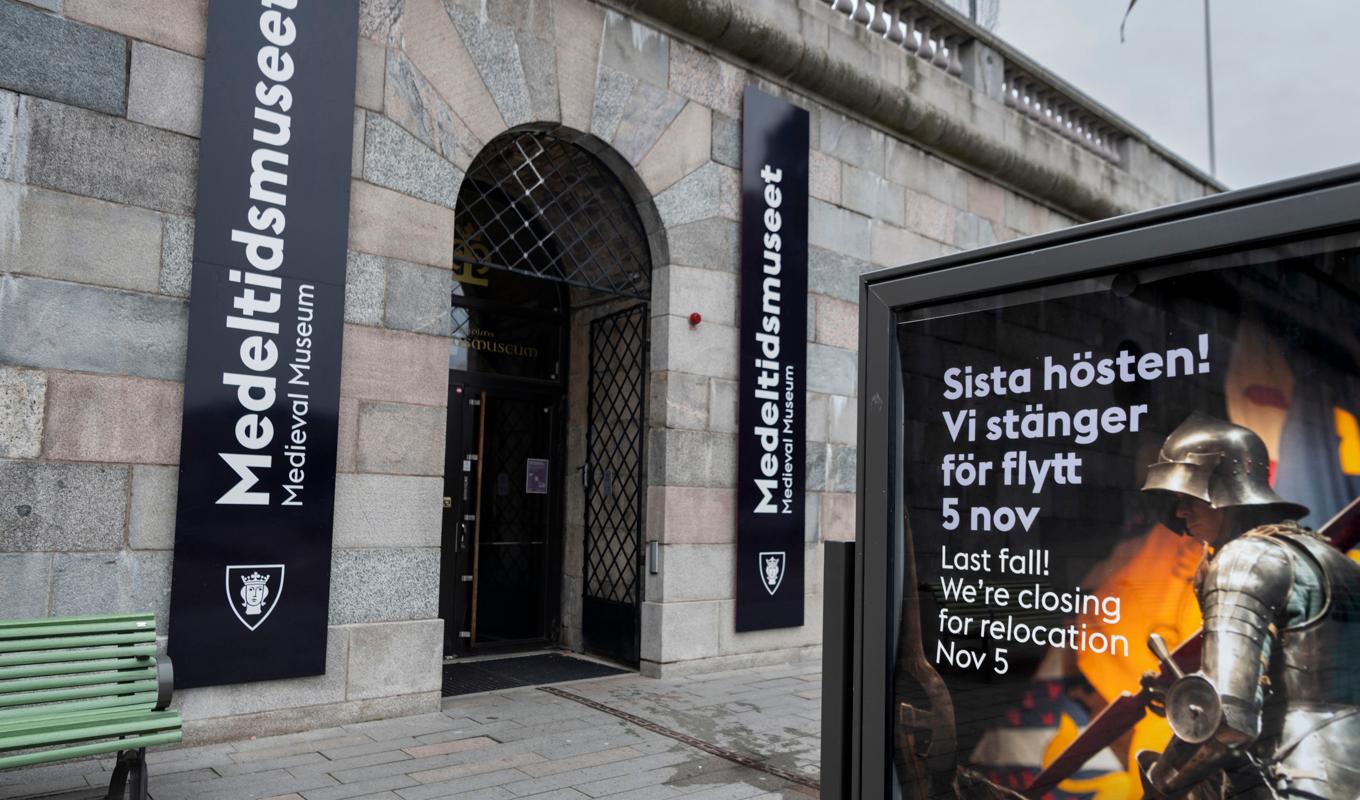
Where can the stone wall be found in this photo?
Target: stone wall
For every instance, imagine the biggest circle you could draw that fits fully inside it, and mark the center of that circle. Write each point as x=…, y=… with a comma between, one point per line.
x=99, y=105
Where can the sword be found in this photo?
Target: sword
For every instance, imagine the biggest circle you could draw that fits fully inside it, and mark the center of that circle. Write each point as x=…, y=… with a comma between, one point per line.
x=1127, y=710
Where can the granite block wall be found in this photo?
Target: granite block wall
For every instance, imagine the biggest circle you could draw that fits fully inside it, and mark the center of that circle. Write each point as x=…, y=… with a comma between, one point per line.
x=99, y=107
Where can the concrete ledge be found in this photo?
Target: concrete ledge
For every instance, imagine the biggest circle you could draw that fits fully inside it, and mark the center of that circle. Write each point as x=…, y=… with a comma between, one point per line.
x=764, y=658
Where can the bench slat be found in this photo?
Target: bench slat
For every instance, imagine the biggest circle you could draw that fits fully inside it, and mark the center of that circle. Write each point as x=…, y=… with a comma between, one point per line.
x=86, y=750
x=140, y=673
x=55, y=695
x=144, y=699
x=127, y=725
x=42, y=719
x=67, y=628
x=73, y=668
x=59, y=656
x=78, y=619
x=85, y=640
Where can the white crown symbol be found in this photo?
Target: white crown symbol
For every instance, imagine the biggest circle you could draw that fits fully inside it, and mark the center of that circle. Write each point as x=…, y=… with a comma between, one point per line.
x=255, y=578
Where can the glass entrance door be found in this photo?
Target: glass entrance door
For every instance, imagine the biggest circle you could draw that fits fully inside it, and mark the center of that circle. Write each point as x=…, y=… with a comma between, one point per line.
x=500, y=509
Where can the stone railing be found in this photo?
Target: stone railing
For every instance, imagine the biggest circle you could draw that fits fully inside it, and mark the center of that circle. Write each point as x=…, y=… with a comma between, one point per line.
x=938, y=35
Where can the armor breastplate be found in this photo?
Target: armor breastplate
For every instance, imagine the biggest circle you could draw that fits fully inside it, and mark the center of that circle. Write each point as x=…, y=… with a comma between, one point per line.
x=1317, y=657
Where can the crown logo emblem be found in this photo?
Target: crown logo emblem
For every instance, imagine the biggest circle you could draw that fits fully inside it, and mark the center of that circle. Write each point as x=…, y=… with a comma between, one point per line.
x=772, y=568
x=249, y=593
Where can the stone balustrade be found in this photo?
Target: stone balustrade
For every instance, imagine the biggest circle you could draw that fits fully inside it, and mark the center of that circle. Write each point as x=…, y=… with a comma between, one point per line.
x=938, y=35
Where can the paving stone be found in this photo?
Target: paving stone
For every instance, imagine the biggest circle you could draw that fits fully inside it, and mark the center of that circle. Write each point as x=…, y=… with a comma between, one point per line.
x=61, y=507
x=177, y=255
x=387, y=511
x=112, y=419
x=496, y=53
x=62, y=60
x=23, y=396
x=181, y=26
x=365, y=288
x=68, y=326
x=74, y=238
x=165, y=89
x=636, y=49
x=417, y=298
x=151, y=517
x=91, y=154
x=26, y=578
x=397, y=160
x=122, y=582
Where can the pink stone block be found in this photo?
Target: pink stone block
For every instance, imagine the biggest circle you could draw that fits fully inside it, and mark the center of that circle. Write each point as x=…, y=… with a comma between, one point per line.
x=112, y=419
x=395, y=366
x=692, y=515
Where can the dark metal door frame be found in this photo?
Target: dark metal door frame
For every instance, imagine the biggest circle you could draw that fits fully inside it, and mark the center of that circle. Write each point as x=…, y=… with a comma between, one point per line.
x=615, y=484
x=457, y=547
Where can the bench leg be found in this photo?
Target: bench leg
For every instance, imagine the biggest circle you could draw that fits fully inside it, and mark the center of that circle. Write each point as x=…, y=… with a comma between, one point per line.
x=131, y=764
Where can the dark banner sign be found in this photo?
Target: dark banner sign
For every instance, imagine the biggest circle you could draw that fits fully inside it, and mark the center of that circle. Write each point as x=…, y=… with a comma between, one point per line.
x=262, y=384
x=774, y=184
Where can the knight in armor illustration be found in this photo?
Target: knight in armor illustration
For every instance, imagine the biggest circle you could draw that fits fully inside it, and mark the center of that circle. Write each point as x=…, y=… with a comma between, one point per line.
x=1274, y=711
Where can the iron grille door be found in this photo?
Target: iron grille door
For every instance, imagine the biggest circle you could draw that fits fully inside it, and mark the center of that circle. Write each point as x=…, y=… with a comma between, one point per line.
x=615, y=479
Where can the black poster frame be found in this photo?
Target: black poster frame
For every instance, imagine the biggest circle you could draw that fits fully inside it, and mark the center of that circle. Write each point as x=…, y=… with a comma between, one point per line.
x=250, y=591
x=1231, y=221
x=772, y=368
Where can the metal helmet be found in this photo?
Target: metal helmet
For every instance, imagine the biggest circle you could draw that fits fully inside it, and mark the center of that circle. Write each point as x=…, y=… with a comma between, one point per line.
x=1225, y=465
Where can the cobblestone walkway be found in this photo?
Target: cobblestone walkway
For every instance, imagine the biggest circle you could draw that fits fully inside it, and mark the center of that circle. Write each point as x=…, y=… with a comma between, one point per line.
x=619, y=737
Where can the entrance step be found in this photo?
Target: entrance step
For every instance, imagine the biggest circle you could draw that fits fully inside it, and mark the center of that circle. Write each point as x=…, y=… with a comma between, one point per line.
x=490, y=675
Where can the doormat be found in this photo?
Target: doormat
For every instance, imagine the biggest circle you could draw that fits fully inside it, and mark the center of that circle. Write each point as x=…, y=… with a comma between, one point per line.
x=508, y=673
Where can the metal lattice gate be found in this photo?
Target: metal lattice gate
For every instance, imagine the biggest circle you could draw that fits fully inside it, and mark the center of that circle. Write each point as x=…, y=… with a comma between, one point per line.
x=615, y=484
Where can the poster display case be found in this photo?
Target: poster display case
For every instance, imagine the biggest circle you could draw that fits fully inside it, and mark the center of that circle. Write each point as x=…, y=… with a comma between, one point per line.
x=1106, y=541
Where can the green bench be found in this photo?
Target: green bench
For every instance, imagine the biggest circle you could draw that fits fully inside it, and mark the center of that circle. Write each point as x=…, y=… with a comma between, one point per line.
x=74, y=687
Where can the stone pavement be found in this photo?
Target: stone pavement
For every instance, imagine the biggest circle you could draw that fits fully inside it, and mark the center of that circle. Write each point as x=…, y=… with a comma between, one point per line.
x=624, y=737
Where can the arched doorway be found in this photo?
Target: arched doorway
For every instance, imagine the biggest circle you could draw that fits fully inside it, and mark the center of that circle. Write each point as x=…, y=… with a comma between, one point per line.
x=545, y=475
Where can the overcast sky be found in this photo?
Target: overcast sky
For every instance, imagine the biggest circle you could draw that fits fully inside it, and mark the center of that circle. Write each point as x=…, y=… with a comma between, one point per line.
x=1286, y=75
